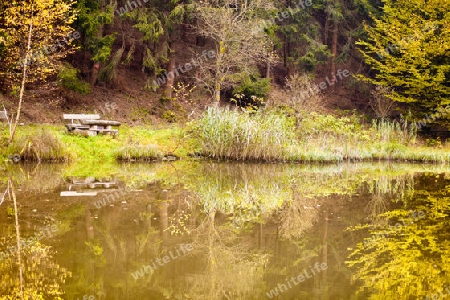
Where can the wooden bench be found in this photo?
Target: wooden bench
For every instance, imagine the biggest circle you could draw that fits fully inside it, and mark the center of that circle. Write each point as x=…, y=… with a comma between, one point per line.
x=77, y=118
x=90, y=125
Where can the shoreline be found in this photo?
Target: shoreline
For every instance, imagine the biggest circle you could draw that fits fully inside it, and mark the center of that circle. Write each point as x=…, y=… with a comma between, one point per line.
x=147, y=144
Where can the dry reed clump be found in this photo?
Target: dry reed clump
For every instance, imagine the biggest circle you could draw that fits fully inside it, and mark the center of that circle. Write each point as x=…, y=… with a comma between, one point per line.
x=260, y=136
x=41, y=146
x=402, y=133
x=138, y=153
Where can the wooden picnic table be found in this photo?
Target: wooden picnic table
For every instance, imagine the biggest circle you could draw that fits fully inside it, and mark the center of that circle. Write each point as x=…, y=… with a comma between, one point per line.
x=90, y=125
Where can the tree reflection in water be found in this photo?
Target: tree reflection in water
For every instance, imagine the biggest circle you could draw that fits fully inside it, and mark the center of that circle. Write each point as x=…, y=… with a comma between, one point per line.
x=412, y=261
x=251, y=226
x=29, y=272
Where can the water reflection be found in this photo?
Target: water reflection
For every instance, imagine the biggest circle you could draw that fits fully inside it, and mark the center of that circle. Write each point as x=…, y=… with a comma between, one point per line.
x=254, y=231
x=28, y=258
x=407, y=255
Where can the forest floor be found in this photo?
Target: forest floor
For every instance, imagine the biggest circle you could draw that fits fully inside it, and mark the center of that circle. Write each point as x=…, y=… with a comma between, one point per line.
x=126, y=99
x=132, y=105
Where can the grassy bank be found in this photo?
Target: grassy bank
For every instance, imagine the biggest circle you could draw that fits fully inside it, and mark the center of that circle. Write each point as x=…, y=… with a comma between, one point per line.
x=271, y=135
x=275, y=135
x=52, y=143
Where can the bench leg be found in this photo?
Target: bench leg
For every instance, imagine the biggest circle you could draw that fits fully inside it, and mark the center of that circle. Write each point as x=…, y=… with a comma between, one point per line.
x=84, y=132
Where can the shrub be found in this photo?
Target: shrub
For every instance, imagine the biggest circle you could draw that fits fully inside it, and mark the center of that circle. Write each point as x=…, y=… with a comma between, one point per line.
x=252, y=91
x=320, y=124
x=382, y=105
x=169, y=116
x=302, y=95
x=68, y=77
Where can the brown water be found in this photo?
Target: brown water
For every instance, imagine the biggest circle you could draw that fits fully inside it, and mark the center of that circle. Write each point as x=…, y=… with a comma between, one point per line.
x=190, y=230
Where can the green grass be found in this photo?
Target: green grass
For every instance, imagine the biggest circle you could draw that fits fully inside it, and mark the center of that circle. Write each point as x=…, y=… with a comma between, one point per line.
x=137, y=143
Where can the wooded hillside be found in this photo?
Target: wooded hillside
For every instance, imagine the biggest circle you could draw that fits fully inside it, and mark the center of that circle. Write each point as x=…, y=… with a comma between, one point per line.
x=245, y=52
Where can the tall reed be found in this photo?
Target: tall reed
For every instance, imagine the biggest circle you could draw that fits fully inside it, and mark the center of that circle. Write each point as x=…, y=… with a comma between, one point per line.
x=403, y=133
x=271, y=135
x=227, y=134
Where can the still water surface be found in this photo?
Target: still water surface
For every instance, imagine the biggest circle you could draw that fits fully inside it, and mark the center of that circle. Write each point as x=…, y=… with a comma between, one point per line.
x=189, y=230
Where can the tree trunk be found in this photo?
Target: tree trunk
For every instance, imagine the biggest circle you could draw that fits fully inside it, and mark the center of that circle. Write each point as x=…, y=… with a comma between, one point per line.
x=217, y=92
x=12, y=193
x=325, y=31
x=268, y=69
x=287, y=54
x=285, y=44
x=94, y=72
x=171, y=69
x=22, y=86
x=96, y=66
x=334, y=49
x=218, y=75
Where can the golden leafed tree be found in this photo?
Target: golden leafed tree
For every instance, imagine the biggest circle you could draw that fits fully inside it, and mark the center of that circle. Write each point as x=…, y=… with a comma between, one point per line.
x=408, y=48
x=34, y=36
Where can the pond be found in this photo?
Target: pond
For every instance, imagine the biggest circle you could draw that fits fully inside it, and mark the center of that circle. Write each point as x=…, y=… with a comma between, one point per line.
x=208, y=230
